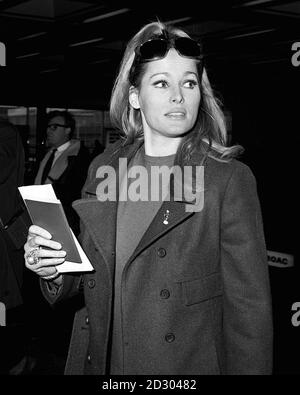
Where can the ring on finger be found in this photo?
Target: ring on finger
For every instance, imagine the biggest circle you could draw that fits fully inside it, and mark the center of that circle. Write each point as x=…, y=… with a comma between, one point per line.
x=32, y=257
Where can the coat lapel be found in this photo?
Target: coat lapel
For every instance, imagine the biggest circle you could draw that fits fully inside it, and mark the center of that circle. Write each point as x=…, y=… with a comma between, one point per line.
x=174, y=211
x=63, y=160
x=170, y=214
x=38, y=178
x=99, y=219
x=60, y=164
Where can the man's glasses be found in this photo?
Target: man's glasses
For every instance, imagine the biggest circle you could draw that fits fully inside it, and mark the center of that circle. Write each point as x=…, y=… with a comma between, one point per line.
x=54, y=126
x=158, y=47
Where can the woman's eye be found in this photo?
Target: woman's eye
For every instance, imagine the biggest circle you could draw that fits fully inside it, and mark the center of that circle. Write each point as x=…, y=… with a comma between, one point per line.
x=190, y=84
x=161, y=84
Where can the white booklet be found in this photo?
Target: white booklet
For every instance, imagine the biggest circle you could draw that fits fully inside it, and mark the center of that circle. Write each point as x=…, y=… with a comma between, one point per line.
x=46, y=211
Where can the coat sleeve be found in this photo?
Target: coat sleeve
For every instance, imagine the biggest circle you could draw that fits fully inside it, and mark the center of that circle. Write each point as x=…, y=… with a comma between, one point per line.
x=71, y=286
x=247, y=319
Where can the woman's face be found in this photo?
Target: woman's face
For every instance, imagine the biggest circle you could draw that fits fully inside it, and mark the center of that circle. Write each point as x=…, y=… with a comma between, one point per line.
x=169, y=96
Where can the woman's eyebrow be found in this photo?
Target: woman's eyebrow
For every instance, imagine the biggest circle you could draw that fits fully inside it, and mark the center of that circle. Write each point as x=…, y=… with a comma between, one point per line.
x=168, y=74
x=160, y=73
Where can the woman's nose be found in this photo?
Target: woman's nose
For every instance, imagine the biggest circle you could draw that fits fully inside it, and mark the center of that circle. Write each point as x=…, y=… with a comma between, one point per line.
x=176, y=95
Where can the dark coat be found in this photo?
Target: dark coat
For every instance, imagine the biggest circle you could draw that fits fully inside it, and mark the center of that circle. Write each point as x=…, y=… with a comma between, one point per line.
x=195, y=292
x=11, y=176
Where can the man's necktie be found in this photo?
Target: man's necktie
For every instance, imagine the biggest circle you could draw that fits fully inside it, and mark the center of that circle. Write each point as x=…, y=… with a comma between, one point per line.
x=48, y=166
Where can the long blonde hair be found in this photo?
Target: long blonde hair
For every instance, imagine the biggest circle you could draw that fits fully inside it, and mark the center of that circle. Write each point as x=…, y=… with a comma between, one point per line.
x=209, y=132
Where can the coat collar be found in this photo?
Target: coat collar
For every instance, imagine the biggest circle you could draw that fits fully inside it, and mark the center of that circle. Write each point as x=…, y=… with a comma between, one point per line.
x=111, y=158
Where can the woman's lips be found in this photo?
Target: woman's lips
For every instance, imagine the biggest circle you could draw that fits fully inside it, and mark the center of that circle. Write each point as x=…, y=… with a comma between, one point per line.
x=176, y=114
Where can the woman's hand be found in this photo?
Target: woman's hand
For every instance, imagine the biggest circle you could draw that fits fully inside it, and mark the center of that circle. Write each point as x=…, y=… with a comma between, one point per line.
x=43, y=261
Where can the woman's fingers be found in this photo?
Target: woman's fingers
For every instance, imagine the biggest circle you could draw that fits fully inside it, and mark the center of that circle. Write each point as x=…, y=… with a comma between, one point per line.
x=36, y=258
x=43, y=261
x=45, y=253
x=37, y=230
x=38, y=236
x=37, y=241
x=48, y=262
x=44, y=264
x=44, y=258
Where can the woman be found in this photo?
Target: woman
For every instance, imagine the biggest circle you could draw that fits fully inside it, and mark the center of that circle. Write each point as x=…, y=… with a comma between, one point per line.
x=178, y=287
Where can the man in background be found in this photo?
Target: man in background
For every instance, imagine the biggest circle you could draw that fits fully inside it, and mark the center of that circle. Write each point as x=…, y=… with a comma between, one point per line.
x=66, y=163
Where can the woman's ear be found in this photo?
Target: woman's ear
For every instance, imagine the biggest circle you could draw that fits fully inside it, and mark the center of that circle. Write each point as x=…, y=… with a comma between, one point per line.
x=134, y=98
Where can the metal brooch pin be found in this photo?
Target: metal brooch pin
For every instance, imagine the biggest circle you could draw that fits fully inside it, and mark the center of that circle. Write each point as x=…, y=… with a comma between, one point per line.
x=166, y=217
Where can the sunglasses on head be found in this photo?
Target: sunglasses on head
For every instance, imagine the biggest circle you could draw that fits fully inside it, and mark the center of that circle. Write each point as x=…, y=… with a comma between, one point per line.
x=158, y=47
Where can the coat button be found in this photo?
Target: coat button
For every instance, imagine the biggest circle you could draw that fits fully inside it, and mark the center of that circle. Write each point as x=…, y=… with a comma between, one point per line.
x=161, y=252
x=89, y=359
x=91, y=283
x=170, y=337
x=87, y=321
x=164, y=294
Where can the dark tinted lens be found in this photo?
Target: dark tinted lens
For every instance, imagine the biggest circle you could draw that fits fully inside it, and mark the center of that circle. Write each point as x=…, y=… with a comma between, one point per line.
x=188, y=47
x=153, y=49
x=52, y=127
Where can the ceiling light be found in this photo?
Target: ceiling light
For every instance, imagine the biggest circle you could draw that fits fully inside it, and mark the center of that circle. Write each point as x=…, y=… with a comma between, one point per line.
x=249, y=34
x=104, y=16
x=270, y=61
x=254, y=2
x=48, y=71
x=100, y=61
x=86, y=42
x=31, y=36
x=27, y=55
x=177, y=20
